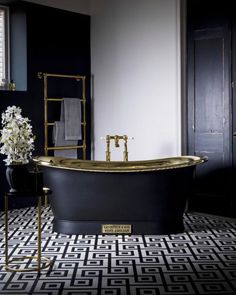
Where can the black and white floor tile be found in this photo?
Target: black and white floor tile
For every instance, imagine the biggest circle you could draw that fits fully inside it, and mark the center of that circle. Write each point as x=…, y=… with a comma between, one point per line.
x=202, y=260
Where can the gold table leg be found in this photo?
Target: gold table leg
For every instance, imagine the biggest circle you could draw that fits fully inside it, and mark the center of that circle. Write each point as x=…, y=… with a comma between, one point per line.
x=42, y=262
x=6, y=230
x=39, y=233
x=46, y=191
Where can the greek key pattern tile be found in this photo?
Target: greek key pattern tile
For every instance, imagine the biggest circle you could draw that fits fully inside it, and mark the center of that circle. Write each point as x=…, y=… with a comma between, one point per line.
x=202, y=260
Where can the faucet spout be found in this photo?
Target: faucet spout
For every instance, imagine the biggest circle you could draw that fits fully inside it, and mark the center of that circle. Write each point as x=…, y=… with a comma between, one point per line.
x=116, y=139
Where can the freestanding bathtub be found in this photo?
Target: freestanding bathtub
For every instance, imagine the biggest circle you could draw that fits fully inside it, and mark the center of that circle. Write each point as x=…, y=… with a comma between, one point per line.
x=135, y=197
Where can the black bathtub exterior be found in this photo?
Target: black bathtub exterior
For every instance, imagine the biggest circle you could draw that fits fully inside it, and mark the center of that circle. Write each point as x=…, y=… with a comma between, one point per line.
x=151, y=202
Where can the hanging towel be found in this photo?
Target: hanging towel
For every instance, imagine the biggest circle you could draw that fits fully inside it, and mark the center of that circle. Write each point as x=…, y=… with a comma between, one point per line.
x=59, y=140
x=71, y=115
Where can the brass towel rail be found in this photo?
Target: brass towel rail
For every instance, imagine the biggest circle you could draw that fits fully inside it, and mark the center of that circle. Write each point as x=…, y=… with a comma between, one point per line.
x=47, y=124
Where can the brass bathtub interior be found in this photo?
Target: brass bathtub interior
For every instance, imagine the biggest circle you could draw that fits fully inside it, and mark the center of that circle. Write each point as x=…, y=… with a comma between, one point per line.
x=119, y=166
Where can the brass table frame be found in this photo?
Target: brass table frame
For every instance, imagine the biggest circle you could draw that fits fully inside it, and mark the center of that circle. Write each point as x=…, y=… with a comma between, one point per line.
x=42, y=262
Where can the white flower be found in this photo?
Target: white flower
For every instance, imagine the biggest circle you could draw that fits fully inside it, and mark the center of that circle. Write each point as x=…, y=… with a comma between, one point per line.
x=16, y=136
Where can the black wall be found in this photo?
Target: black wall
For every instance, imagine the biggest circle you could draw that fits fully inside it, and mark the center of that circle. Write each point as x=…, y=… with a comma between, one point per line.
x=58, y=41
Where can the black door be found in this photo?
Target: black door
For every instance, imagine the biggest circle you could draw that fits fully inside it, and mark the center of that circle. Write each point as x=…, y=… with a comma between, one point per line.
x=210, y=108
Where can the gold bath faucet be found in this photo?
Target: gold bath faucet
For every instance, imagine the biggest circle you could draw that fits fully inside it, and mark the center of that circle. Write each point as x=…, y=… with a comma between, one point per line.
x=116, y=139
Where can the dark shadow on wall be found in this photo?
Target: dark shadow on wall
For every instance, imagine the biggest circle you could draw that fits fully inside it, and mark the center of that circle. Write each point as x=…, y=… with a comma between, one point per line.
x=213, y=193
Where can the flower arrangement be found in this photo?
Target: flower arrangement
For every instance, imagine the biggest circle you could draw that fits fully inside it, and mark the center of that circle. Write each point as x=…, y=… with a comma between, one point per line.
x=17, y=139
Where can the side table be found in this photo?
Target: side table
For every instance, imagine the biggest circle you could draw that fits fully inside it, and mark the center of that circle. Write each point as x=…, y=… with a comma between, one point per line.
x=42, y=262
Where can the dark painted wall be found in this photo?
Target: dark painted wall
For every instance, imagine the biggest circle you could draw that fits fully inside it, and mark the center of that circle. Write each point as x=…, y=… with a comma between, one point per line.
x=58, y=41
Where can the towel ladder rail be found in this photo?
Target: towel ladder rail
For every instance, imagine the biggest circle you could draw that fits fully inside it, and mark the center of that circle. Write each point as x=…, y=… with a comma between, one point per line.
x=50, y=99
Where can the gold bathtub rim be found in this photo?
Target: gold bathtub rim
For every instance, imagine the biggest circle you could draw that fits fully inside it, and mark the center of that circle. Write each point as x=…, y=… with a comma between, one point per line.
x=119, y=166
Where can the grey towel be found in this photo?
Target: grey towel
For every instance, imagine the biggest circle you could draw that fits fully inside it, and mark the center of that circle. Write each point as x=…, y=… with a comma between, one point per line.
x=71, y=115
x=59, y=140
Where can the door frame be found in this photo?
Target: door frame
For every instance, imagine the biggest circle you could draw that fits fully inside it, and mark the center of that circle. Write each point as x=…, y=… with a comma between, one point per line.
x=183, y=76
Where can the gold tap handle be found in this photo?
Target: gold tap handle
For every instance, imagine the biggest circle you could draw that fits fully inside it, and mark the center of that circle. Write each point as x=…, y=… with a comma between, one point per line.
x=125, y=137
x=108, y=152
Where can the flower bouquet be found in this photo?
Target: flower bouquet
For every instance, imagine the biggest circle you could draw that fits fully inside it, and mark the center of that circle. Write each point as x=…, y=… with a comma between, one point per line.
x=16, y=136
x=17, y=143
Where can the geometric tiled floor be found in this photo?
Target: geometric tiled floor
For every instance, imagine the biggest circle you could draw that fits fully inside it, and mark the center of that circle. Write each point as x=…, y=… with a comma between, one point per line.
x=202, y=260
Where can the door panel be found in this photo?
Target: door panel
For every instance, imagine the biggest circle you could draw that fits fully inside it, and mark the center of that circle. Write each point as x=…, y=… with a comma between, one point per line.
x=209, y=116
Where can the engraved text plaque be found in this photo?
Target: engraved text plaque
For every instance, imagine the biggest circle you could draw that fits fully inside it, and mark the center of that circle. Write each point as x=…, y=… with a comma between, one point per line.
x=116, y=228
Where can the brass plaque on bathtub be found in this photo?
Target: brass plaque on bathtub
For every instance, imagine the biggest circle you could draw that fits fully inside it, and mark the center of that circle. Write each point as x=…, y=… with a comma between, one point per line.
x=116, y=228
